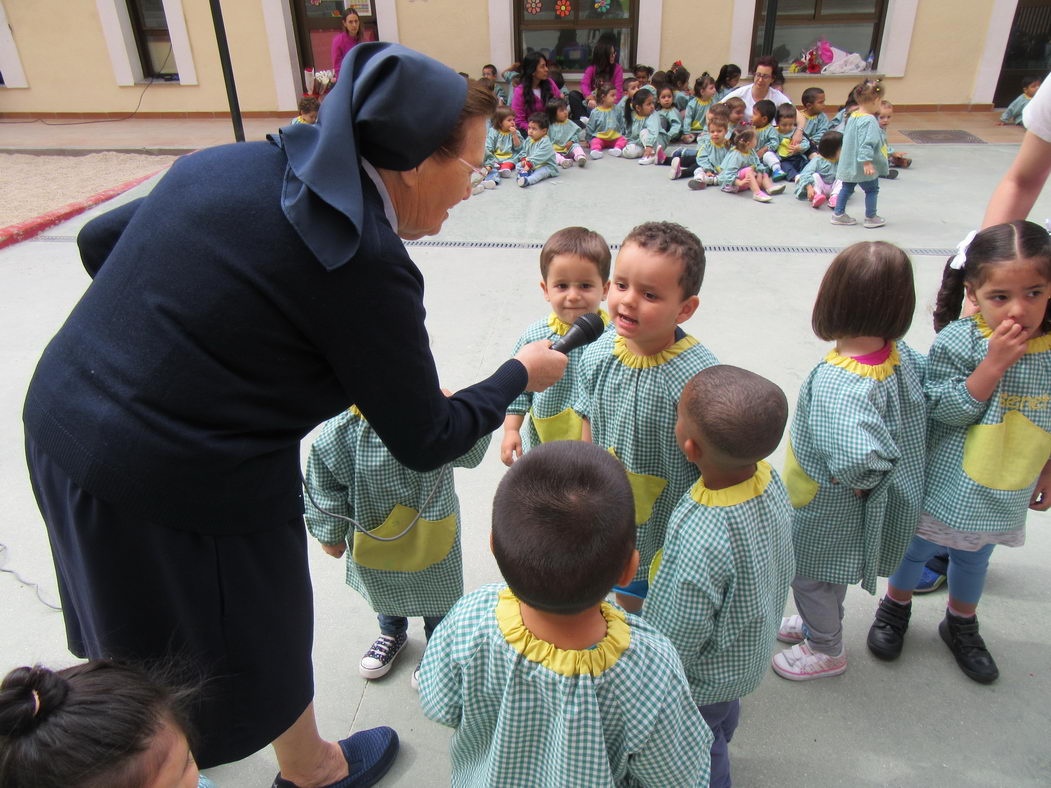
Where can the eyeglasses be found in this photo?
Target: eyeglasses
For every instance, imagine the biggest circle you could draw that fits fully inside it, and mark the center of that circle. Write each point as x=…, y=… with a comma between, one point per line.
x=476, y=170
x=764, y=76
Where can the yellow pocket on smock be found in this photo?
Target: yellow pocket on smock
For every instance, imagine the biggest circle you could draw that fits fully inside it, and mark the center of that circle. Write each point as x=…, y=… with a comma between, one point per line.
x=1008, y=455
x=645, y=488
x=655, y=565
x=783, y=147
x=564, y=426
x=426, y=544
x=801, y=488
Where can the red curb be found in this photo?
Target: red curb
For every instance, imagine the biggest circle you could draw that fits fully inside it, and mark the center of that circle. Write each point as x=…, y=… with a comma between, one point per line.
x=20, y=232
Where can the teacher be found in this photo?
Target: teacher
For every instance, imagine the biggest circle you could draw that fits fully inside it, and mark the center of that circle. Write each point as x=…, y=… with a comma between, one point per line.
x=763, y=76
x=259, y=289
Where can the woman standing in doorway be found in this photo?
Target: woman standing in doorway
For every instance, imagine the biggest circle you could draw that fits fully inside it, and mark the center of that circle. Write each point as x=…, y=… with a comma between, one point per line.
x=346, y=39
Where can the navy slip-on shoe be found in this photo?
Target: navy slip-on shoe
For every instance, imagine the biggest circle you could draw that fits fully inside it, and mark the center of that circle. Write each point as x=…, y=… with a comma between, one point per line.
x=369, y=754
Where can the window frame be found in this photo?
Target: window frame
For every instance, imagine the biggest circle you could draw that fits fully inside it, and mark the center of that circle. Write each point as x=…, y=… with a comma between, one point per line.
x=142, y=34
x=878, y=19
x=631, y=24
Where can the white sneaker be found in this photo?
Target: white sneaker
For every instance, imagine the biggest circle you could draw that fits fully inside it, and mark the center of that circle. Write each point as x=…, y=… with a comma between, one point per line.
x=565, y=164
x=647, y=160
x=596, y=154
x=616, y=152
x=792, y=630
x=676, y=169
x=489, y=183
x=378, y=659
x=507, y=173
x=477, y=189
x=777, y=188
x=799, y=663
x=582, y=161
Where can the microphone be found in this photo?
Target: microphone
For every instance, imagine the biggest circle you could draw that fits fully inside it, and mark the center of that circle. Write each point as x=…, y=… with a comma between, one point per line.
x=585, y=329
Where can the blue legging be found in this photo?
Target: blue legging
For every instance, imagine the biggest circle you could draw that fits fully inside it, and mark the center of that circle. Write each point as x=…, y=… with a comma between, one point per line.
x=871, y=189
x=966, y=569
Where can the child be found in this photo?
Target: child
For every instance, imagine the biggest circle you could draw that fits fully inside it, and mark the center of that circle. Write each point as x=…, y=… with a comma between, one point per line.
x=894, y=159
x=631, y=87
x=792, y=145
x=536, y=160
x=736, y=107
x=350, y=474
x=97, y=723
x=861, y=160
x=308, y=107
x=766, y=137
x=545, y=683
x=854, y=466
x=679, y=80
x=669, y=117
x=683, y=161
x=502, y=145
x=642, y=73
x=565, y=136
x=839, y=120
x=988, y=386
x=1012, y=116
x=719, y=585
x=713, y=153
x=630, y=381
x=815, y=182
x=729, y=76
x=489, y=72
x=742, y=170
x=695, y=118
x=604, y=123
x=817, y=122
x=574, y=264
x=642, y=128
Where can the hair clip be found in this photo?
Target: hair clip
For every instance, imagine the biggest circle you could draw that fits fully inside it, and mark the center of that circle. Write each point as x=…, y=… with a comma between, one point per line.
x=959, y=260
x=36, y=702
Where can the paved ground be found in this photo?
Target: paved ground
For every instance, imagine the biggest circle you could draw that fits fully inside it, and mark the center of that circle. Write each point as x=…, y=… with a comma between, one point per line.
x=915, y=722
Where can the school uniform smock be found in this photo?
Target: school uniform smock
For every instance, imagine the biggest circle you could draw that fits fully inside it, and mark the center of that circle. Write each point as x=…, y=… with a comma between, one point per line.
x=644, y=131
x=736, y=161
x=985, y=457
x=695, y=117
x=539, y=153
x=766, y=137
x=604, y=123
x=818, y=165
x=351, y=473
x=862, y=142
x=712, y=156
x=671, y=125
x=784, y=141
x=632, y=403
x=528, y=714
x=1013, y=113
x=563, y=136
x=500, y=147
x=816, y=126
x=857, y=426
x=551, y=413
x=682, y=99
x=719, y=586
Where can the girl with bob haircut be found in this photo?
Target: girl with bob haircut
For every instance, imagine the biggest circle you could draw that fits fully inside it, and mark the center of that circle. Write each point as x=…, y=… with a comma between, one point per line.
x=854, y=467
x=988, y=387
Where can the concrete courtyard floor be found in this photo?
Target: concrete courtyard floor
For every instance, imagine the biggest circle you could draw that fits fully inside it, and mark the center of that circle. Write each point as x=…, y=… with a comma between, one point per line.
x=916, y=722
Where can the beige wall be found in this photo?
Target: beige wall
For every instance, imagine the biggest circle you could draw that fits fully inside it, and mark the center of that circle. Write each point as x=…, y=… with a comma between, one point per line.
x=457, y=33
x=697, y=32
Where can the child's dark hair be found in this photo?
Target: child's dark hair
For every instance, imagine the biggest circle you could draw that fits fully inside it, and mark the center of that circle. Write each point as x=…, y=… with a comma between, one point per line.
x=742, y=415
x=701, y=83
x=667, y=88
x=602, y=89
x=86, y=726
x=722, y=121
x=647, y=70
x=659, y=79
x=1019, y=240
x=674, y=240
x=736, y=102
x=720, y=110
x=627, y=81
x=742, y=139
x=726, y=73
x=500, y=115
x=1029, y=80
x=786, y=110
x=554, y=73
x=830, y=143
x=766, y=108
x=634, y=105
x=489, y=66
x=867, y=91
x=810, y=95
x=579, y=241
x=308, y=104
x=867, y=292
x=553, y=106
x=563, y=526
x=678, y=76
x=539, y=118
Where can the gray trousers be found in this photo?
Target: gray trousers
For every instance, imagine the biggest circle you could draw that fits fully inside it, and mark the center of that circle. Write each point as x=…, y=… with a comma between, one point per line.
x=820, y=605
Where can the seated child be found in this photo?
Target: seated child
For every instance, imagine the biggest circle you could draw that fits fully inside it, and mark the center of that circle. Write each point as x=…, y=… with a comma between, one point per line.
x=683, y=161
x=817, y=122
x=736, y=107
x=564, y=135
x=1012, y=116
x=489, y=72
x=536, y=160
x=718, y=587
x=815, y=182
x=792, y=145
x=695, y=116
x=308, y=107
x=354, y=485
x=574, y=264
x=678, y=79
x=726, y=82
x=630, y=380
x=742, y=170
x=631, y=86
x=894, y=159
x=604, y=124
x=642, y=127
x=711, y=155
x=642, y=73
x=545, y=684
x=502, y=144
x=669, y=117
x=766, y=137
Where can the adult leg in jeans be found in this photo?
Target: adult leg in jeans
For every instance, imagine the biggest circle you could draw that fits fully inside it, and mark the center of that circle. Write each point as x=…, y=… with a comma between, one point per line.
x=820, y=605
x=722, y=718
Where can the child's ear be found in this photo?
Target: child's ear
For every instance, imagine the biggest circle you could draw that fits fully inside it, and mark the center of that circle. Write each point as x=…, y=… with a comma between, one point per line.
x=630, y=569
x=692, y=450
x=689, y=306
x=543, y=287
x=605, y=290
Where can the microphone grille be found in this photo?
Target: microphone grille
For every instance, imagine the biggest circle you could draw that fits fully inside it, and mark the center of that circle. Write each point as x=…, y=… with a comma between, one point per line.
x=590, y=323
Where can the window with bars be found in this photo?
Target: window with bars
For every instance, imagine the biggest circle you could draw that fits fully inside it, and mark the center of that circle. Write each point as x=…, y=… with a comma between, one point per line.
x=788, y=28
x=150, y=27
x=566, y=31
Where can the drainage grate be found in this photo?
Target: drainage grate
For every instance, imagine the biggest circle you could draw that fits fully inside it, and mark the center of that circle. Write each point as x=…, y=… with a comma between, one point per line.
x=941, y=136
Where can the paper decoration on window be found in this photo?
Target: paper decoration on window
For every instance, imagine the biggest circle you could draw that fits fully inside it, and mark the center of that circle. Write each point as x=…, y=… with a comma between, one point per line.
x=563, y=7
x=602, y=6
x=534, y=6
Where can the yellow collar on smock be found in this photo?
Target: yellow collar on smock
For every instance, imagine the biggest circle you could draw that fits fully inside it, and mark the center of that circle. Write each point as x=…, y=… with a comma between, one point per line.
x=738, y=493
x=635, y=361
x=876, y=372
x=560, y=326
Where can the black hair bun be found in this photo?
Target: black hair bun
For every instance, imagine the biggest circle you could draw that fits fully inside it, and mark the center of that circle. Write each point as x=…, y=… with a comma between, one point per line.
x=27, y=697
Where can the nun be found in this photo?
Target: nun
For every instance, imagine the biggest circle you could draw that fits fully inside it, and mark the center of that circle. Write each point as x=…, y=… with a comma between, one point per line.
x=258, y=290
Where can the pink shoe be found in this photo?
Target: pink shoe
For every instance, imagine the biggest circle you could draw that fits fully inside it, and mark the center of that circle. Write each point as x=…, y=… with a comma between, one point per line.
x=832, y=201
x=799, y=663
x=819, y=200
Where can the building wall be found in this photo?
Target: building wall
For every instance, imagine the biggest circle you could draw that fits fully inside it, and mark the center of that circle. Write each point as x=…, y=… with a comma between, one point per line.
x=457, y=33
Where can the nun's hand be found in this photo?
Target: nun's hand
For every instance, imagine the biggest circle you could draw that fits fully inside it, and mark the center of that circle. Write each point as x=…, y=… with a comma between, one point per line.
x=544, y=366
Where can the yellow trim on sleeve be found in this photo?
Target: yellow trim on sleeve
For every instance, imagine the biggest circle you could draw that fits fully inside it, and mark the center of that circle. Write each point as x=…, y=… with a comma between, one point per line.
x=738, y=493
x=1040, y=344
x=635, y=361
x=566, y=662
x=354, y=411
x=876, y=372
x=560, y=326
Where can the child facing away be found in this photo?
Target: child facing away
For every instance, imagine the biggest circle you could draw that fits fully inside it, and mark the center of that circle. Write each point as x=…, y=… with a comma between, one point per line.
x=854, y=465
x=414, y=567
x=817, y=122
x=642, y=128
x=564, y=134
x=815, y=182
x=1012, y=116
x=894, y=159
x=308, y=107
x=574, y=266
x=720, y=584
x=695, y=116
x=545, y=684
x=729, y=76
x=792, y=145
x=489, y=72
x=669, y=117
x=604, y=125
x=502, y=144
x=536, y=160
x=861, y=159
x=988, y=388
x=742, y=170
x=630, y=380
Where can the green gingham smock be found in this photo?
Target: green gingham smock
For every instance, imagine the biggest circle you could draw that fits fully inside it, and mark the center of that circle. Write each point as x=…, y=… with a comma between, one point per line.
x=529, y=714
x=864, y=426
x=985, y=457
x=632, y=403
x=350, y=472
x=719, y=586
x=551, y=413
x=862, y=142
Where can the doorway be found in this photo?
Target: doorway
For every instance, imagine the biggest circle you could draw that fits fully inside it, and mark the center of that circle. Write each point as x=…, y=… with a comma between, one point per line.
x=317, y=22
x=1028, y=50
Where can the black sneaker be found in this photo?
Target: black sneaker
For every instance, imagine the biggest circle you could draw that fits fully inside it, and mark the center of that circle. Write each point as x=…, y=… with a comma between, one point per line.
x=962, y=638
x=887, y=633
x=378, y=659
